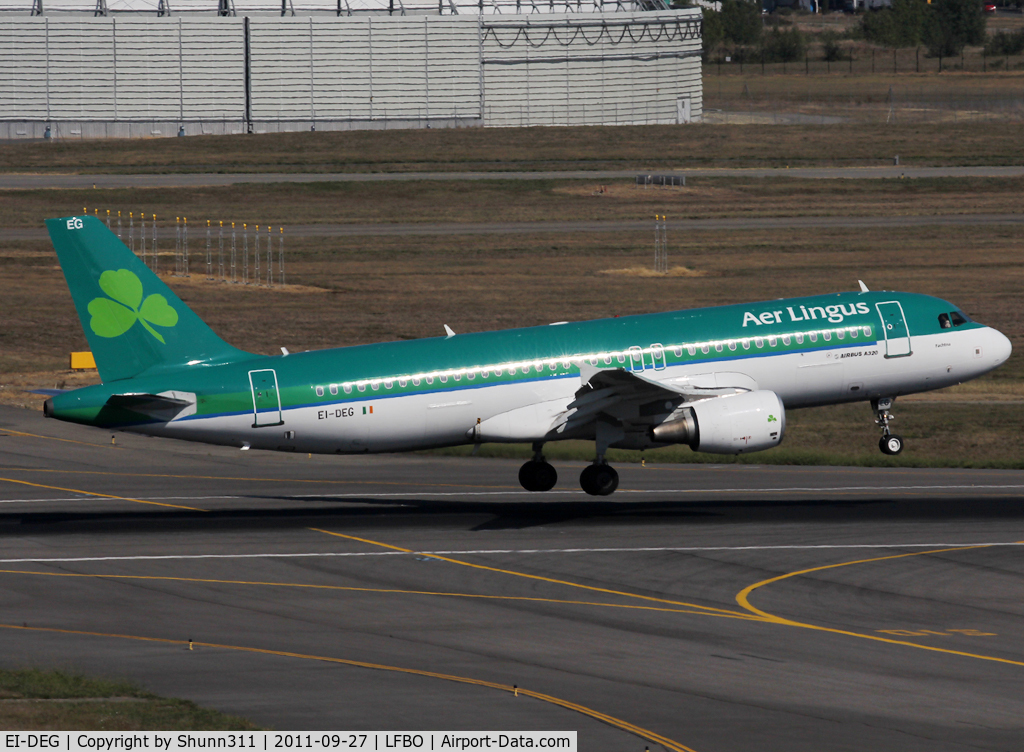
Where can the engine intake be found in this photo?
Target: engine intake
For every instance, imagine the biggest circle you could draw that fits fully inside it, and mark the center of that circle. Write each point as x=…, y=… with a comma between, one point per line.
x=735, y=424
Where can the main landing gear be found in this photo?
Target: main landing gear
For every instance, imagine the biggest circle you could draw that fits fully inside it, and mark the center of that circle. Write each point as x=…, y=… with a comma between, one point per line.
x=537, y=474
x=599, y=479
x=890, y=443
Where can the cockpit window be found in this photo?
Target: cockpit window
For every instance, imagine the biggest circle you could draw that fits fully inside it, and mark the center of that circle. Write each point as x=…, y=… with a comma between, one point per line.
x=958, y=318
x=944, y=321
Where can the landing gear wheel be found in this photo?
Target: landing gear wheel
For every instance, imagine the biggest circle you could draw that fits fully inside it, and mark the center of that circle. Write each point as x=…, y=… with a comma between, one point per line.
x=891, y=444
x=537, y=475
x=599, y=480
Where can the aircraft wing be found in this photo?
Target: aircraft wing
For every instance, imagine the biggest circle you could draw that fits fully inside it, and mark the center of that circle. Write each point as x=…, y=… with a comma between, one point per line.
x=633, y=399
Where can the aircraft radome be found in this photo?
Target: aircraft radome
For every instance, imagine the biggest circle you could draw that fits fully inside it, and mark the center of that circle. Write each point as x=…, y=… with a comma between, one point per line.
x=717, y=379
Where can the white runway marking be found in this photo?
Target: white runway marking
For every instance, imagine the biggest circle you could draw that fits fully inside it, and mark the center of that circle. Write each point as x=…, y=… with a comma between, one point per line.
x=564, y=492
x=650, y=549
x=792, y=489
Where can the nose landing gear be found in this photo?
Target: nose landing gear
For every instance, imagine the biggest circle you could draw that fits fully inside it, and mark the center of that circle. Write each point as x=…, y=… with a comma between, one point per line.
x=890, y=443
x=537, y=474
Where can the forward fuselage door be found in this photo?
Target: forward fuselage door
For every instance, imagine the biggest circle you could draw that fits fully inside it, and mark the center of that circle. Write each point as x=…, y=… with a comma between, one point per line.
x=266, y=399
x=894, y=325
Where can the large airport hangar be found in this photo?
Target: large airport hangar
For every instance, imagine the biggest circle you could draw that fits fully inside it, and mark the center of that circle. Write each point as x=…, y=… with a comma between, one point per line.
x=183, y=67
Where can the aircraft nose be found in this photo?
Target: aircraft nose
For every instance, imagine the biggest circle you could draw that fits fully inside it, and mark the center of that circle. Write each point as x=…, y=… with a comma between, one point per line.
x=999, y=347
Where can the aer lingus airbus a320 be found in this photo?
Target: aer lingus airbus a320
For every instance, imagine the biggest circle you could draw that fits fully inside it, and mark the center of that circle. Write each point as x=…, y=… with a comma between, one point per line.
x=716, y=379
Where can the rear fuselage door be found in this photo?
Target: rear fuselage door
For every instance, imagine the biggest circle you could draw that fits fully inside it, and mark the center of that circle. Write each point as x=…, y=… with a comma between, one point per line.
x=894, y=325
x=266, y=399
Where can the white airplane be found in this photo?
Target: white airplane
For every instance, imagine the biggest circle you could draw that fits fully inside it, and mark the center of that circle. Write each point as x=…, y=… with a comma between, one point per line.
x=717, y=379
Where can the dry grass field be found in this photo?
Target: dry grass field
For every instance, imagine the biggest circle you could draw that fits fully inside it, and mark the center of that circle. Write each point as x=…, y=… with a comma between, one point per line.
x=350, y=290
x=368, y=289
x=578, y=148
x=517, y=201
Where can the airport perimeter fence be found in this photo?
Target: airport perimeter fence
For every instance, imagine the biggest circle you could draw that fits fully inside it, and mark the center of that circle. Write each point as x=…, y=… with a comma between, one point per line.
x=126, y=77
x=234, y=252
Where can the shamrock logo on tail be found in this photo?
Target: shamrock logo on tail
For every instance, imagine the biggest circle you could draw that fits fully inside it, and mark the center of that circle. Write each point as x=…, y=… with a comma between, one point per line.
x=113, y=317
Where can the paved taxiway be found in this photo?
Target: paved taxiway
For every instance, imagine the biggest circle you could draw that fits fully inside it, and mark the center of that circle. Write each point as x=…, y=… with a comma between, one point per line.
x=701, y=607
x=14, y=181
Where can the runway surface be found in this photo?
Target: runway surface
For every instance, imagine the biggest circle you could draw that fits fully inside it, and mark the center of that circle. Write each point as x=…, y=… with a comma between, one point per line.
x=701, y=607
x=14, y=181
x=522, y=228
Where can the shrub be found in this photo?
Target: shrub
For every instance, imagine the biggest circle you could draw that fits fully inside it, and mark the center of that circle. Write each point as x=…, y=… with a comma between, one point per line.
x=830, y=49
x=1006, y=43
x=784, y=45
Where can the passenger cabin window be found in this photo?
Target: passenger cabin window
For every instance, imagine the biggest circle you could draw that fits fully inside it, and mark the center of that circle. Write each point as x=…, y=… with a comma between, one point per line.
x=677, y=351
x=958, y=318
x=758, y=342
x=471, y=375
x=361, y=387
x=854, y=331
x=375, y=385
x=430, y=379
x=785, y=340
x=334, y=388
x=607, y=359
x=772, y=341
x=732, y=344
x=813, y=336
x=319, y=391
x=401, y=383
x=718, y=347
x=347, y=388
x=388, y=383
x=827, y=336
x=799, y=339
x=705, y=349
x=415, y=382
x=691, y=349
x=746, y=344
x=840, y=333
x=444, y=378
x=867, y=331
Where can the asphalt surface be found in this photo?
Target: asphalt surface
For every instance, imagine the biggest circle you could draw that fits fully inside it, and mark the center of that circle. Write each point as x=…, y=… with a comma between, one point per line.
x=719, y=607
x=523, y=228
x=14, y=181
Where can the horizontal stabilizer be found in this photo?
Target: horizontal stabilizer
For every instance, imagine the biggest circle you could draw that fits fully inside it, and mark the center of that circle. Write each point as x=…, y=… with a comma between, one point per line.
x=164, y=407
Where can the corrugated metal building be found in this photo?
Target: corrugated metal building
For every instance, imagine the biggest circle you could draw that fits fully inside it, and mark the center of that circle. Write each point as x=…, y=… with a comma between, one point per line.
x=123, y=76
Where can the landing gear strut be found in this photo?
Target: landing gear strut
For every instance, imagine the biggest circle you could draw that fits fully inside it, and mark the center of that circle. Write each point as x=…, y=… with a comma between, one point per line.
x=890, y=443
x=537, y=474
x=599, y=479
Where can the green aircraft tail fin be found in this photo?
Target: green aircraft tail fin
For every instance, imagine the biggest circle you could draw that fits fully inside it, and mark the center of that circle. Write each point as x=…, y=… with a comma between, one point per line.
x=134, y=323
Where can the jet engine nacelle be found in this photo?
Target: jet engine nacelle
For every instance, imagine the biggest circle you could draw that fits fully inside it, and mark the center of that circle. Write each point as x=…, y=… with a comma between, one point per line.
x=735, y=424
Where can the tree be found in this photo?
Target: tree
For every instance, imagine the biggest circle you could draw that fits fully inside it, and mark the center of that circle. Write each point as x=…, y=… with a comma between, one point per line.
x=902, y=25
x=713, y=32
x=954, y=24
x=741, y=21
